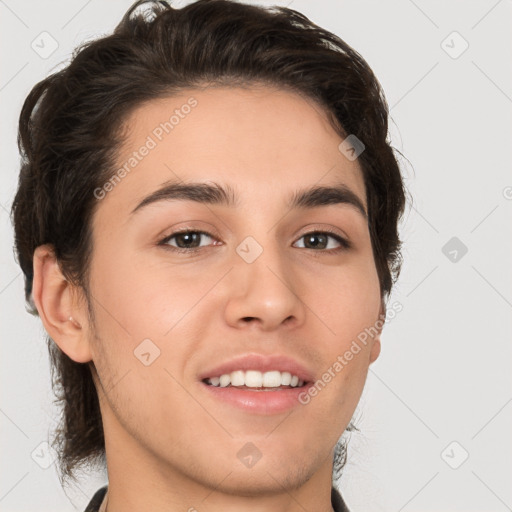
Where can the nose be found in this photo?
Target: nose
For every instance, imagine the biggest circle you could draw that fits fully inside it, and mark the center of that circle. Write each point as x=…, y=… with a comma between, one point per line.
x=265, y=293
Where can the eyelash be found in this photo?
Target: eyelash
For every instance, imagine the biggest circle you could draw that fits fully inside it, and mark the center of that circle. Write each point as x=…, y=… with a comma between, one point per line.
x=344, y=244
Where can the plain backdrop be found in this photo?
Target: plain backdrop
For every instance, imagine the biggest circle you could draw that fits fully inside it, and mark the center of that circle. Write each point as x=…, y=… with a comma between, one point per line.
x=436, y=415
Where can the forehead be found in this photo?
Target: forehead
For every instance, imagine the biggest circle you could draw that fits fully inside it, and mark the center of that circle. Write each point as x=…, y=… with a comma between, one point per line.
x=262, y=142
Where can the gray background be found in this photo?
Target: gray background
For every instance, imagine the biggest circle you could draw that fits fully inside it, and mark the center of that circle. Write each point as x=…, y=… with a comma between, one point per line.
x=444, y=372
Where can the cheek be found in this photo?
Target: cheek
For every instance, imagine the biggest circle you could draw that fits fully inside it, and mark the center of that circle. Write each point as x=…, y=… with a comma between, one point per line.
x=347, y=301
x=348, y=305
x=144, y=298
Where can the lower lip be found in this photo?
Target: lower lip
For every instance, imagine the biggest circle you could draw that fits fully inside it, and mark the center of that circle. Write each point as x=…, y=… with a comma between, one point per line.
x=258, y=402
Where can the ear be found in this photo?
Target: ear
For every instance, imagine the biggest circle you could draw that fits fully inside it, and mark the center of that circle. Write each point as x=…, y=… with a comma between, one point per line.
x=56, y=300
x=379, y=324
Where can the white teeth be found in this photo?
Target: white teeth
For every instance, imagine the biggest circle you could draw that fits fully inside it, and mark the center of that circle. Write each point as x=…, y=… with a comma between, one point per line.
x=237, y=378
x=271, y=379
x=256, y=379
x=224, y=380
x=286, y=378
x=253, y=379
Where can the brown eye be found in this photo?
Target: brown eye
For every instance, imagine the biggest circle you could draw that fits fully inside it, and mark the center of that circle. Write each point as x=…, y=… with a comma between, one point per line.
x=320, y=240
x=186, y=240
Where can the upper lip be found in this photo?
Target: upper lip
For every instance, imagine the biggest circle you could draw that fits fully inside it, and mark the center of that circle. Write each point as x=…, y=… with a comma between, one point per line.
x=259, y=362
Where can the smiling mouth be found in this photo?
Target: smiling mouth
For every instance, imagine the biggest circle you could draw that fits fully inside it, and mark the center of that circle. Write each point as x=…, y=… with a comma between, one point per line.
x=253, y=380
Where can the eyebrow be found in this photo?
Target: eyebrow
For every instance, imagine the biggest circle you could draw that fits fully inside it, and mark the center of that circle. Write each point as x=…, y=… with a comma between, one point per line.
x=215, y=194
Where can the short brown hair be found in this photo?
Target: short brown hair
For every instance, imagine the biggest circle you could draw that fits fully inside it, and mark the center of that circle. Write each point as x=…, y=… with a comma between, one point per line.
x=69, y=133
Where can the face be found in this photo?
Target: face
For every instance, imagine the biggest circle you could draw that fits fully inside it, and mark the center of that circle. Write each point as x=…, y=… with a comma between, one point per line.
x=257, y=276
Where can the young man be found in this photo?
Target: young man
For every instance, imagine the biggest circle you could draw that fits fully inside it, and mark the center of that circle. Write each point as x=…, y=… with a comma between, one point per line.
x=207, y=222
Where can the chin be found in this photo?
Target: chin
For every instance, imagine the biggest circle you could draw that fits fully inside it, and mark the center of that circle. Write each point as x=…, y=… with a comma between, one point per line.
x=266, y=481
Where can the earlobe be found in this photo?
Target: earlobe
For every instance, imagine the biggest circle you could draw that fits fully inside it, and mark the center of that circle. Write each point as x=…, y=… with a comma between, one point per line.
x=376, y=347
x=375, y=351
x=55, y=299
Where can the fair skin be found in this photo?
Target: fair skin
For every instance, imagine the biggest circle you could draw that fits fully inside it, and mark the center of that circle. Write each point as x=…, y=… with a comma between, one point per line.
x=170, y=445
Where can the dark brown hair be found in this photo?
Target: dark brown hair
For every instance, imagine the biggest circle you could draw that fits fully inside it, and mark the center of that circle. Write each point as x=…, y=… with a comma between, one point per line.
x=70, y=131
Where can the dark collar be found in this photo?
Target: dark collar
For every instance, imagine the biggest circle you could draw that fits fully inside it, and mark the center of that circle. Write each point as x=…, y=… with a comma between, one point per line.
x=336, y=500
x=95, y=503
